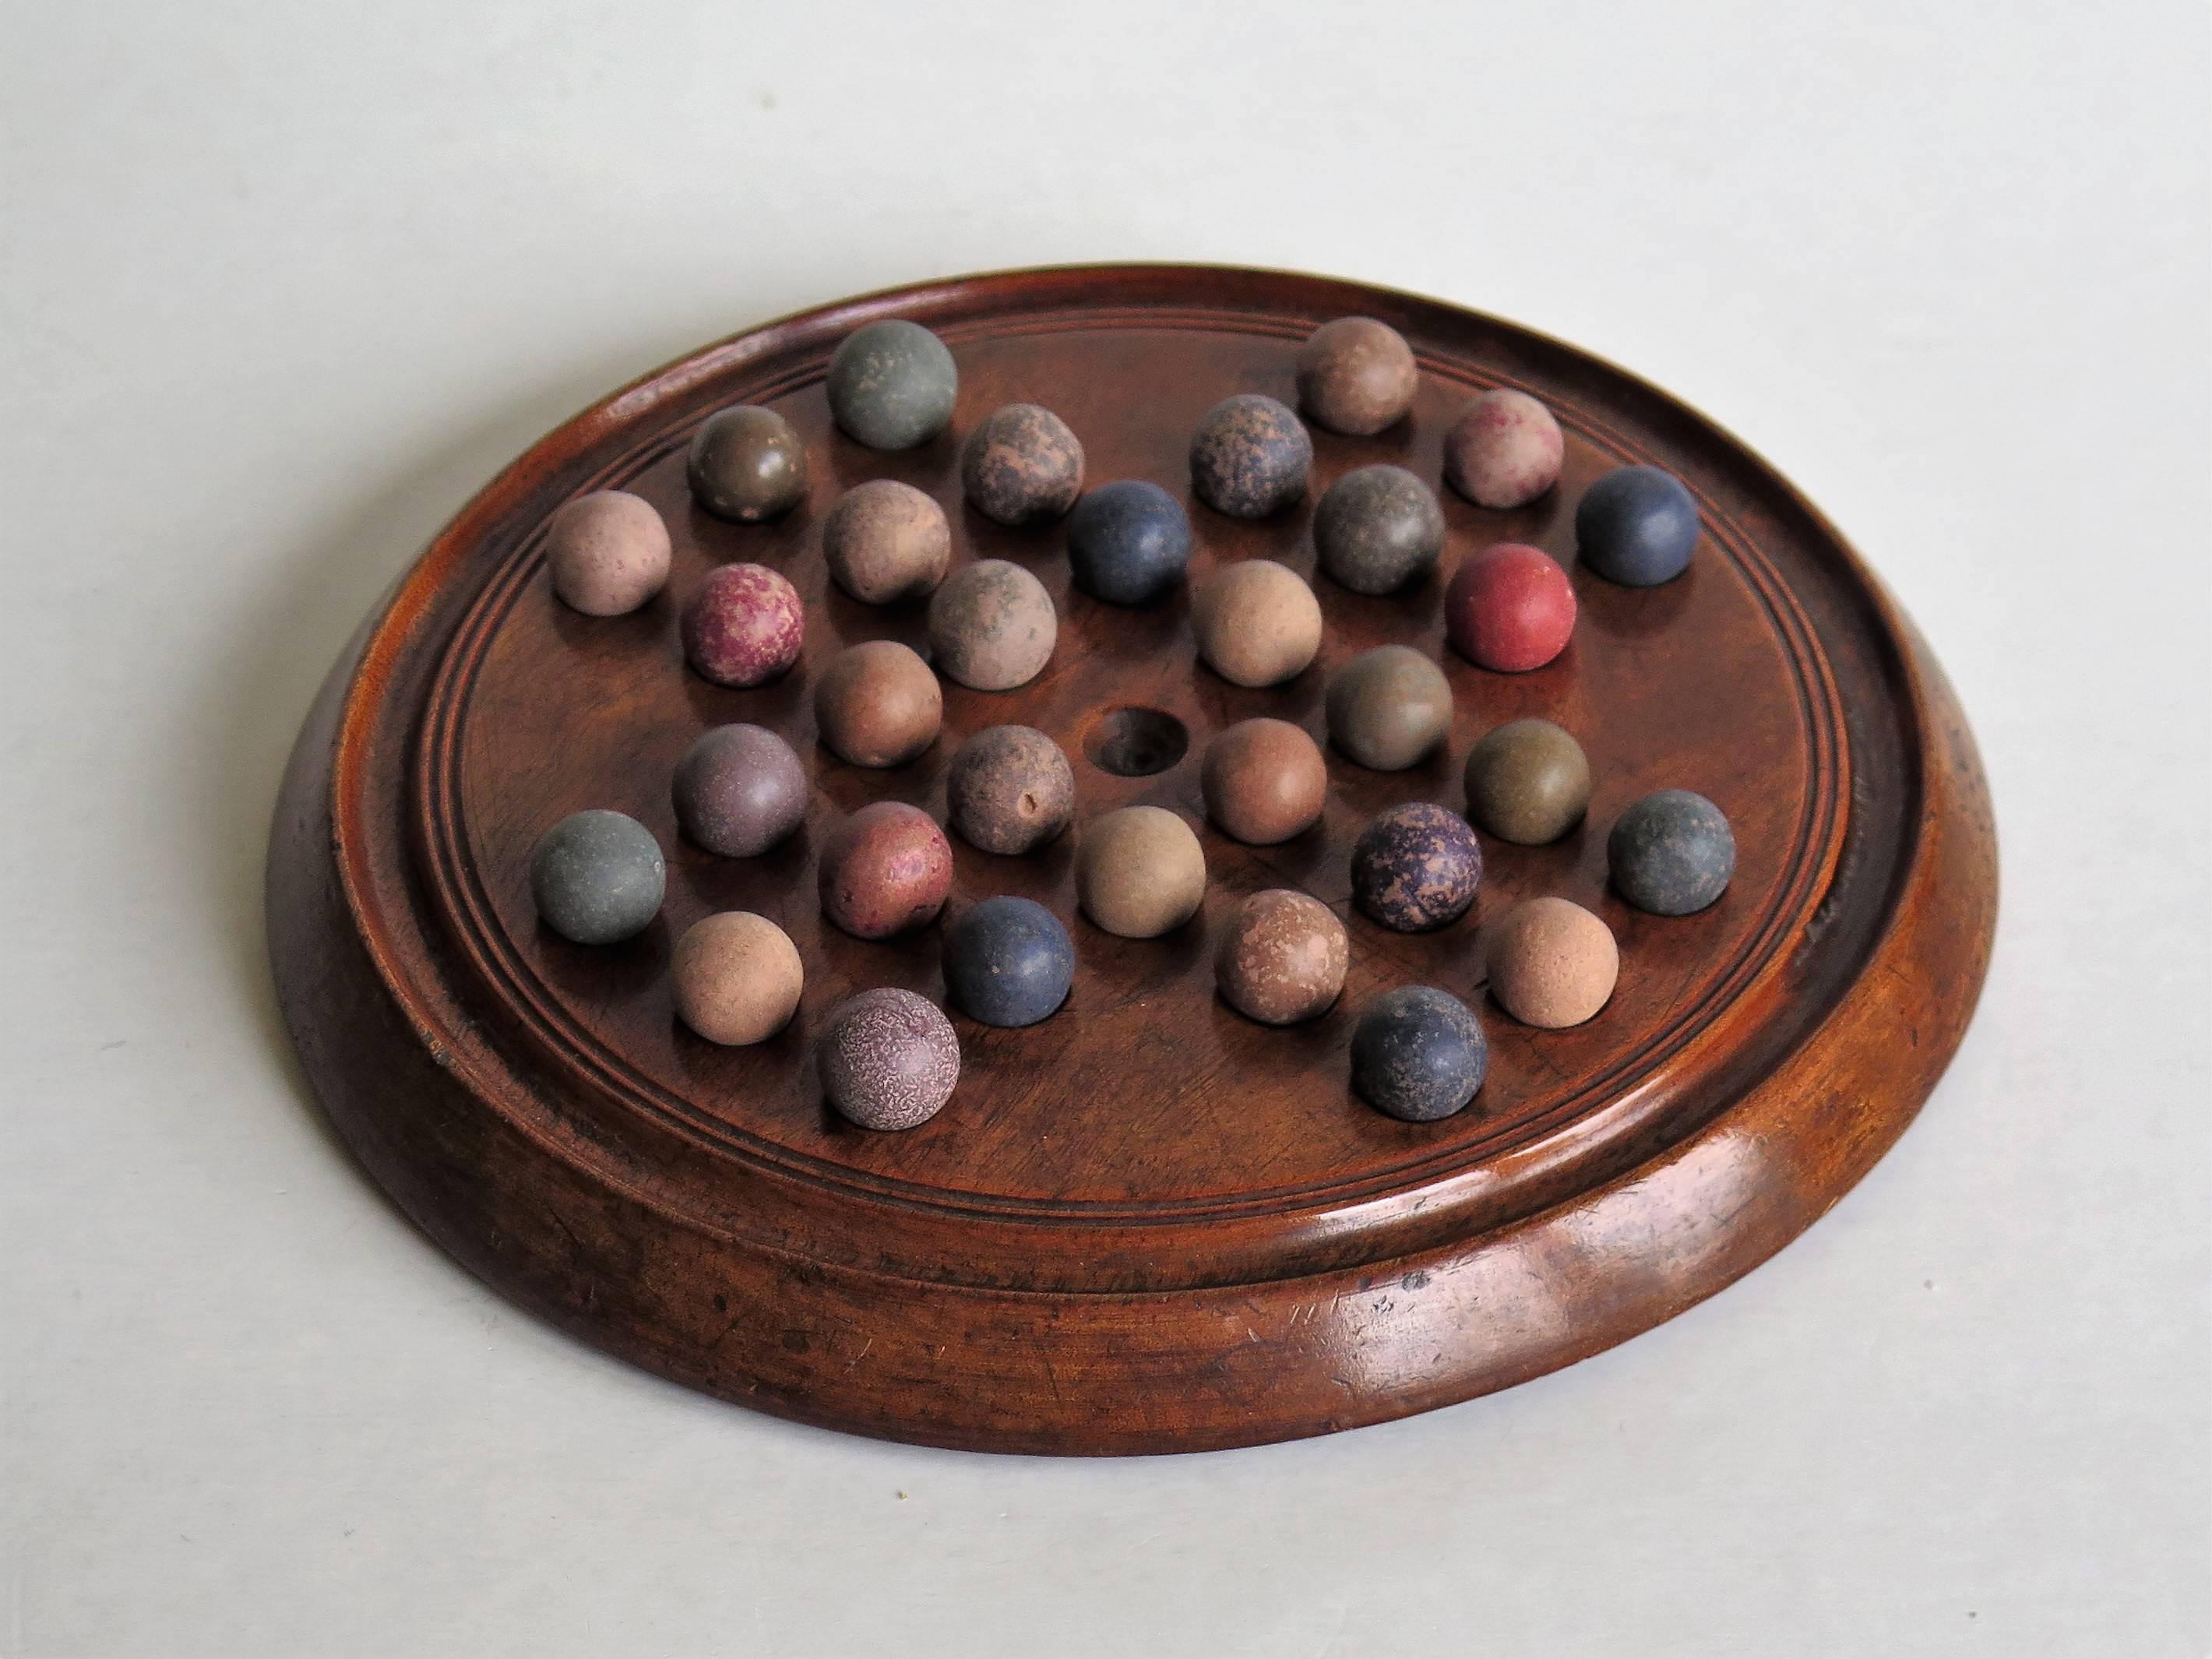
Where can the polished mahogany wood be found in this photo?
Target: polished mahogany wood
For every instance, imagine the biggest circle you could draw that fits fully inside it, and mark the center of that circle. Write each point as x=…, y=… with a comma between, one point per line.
x=1147, y=1225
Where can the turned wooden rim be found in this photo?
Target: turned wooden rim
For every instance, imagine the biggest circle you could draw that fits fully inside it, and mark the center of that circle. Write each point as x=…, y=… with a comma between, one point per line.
x=1538, y=1291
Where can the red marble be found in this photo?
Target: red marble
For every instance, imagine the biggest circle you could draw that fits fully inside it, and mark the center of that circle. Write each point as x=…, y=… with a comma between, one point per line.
x=1509, y=607
x=886, y=869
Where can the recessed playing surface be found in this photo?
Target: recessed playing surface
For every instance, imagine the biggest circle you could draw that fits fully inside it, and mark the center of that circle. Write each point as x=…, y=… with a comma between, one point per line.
x=1145, y=1221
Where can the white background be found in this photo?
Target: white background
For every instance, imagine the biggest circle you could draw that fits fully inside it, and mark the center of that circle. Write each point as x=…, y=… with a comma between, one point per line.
x=284, y=285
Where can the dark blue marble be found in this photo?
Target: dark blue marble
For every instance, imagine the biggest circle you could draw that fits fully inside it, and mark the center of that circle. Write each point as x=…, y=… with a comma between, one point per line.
x=1636, y=526
x=1417, y=1054
x=1008, y=961
x=598, y=877
x=1672, y=853
x=1128, y=542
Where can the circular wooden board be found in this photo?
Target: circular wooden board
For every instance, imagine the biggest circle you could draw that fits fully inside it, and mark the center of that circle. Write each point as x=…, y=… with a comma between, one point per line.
x=1146, y=1224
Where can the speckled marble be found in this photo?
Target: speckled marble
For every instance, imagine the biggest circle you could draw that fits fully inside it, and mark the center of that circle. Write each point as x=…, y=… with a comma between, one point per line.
x=1282, y=958
x=1022, y=464
x=1671, y=854
x=1009, y=790
x=1504, y=450
x=1418, y=1054
x=1416, y=867
x=888, y=1059
x=744, y=626
x=1250, y=457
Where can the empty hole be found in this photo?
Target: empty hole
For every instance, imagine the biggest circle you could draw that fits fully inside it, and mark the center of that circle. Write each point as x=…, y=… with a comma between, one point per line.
x=1135, y=742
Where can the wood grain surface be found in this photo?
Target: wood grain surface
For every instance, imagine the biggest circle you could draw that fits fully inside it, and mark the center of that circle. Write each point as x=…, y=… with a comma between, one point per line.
x=1148, y=1223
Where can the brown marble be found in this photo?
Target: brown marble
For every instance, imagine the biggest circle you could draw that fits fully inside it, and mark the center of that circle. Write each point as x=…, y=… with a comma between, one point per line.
x=1264, y=781
x=748, y=464
x=877, y=704
x=1356, y=376
x=1282, y=958
x=886, y=542
x=1257, y=622
x=1009, y=790
x=885, y=870
x=1552, y=962
x=607, y=553
x=737, y=977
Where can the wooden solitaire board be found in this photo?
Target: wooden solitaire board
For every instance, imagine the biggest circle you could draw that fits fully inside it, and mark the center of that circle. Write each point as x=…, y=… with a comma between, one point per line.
x=1148, y=1223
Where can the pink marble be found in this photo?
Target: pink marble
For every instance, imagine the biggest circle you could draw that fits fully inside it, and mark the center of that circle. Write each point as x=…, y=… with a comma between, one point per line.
x=1504, y=450
x=744, y=626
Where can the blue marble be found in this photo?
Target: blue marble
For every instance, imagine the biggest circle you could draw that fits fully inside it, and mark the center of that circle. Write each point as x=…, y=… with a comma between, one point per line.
x=1418, y=1054
x=1672, y=853
x=1128, y=542
x=1008, y=961
x=1636, y=526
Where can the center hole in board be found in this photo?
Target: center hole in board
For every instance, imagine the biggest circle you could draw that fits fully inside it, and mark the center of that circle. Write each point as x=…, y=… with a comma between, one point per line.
x=1135, y=742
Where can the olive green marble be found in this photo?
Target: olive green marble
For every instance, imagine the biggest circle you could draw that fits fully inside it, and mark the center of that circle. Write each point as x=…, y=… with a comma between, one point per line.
x=1528, y=783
